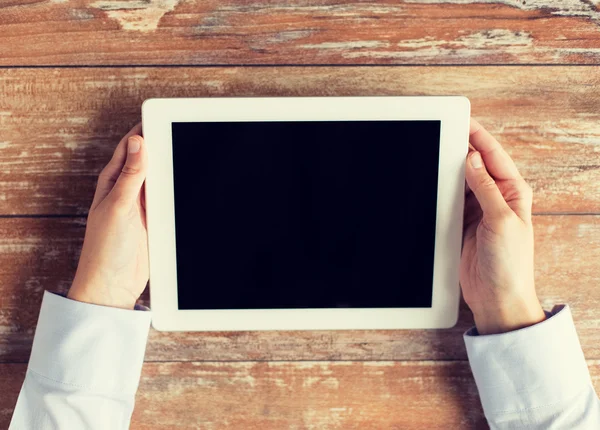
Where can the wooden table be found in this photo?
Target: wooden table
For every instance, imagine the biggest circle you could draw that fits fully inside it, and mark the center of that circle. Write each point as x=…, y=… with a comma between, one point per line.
x=73, y=75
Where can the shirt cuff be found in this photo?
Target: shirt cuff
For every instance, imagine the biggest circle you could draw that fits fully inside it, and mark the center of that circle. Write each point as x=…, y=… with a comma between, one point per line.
x=536, y=366
x=93, y=347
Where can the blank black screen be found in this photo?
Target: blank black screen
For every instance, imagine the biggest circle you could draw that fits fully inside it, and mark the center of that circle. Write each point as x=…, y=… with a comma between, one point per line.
x=305, y=214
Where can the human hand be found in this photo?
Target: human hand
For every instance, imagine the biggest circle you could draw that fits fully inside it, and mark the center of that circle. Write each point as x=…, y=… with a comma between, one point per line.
x=113, y=266
x=496, y=266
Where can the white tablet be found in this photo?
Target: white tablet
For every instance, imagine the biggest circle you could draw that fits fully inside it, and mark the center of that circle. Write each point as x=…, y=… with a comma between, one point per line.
x=305, y=213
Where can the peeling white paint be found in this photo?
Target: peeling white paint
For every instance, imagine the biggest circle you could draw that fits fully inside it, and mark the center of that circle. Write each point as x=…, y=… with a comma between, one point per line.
x=71, y=145
x=19, y=185
x=138, y=76
x=541, y=146
x=247, y=379
x=4, y=144
x=81, y=14
x=11, y=248
x=481, y=43
x=335, y=10
x=310, y=381
x=561, y=52
x=349, y=45
x=136, y=15
x=289, y=35
x=378, y=364
x=203, y=382
x=78, y=120
x=279, y=382
x=425, y=42
x=102, y=84
x=577, y=8
x=331, y=383
x=495, y=37
x=564, y=134
x=215, y=85
x=585, y=230
x=299, y=365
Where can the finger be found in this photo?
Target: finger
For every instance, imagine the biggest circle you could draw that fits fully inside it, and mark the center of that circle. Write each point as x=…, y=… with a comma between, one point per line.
x=519, y=195
x=112, y=170
x=484, y=187
x=497, y=160
x=126, y=190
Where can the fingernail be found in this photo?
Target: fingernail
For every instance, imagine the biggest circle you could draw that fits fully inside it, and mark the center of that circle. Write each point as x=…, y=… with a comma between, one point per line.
x=133, y=144
x=476, y=160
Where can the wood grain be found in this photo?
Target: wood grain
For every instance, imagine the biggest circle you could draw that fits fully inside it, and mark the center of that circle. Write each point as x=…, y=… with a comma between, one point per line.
x=42, y=253
x=298, y=395
x=194, y=32
x=58, y=127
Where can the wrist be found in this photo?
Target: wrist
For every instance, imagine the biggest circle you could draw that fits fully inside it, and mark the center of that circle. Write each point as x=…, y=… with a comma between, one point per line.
x=508, y=316
x=102, y=296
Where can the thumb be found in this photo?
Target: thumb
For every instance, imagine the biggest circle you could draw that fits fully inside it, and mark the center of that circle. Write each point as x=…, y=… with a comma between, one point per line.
x=484, y=187
x=133, y=173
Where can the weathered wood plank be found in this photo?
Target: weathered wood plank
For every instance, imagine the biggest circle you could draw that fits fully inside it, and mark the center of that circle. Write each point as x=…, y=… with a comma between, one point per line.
x=298, y=395
x=58, y=127
x=307, y=395
x=116, y=32
x=42, y=253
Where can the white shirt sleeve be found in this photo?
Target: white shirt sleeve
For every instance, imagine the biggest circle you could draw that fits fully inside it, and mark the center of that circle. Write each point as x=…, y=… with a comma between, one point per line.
x=85, y=366
x=86, y=363
x=535, y=377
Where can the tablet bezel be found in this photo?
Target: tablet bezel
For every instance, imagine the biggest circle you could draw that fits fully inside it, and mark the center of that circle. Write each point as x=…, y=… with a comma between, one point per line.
x=159, y=113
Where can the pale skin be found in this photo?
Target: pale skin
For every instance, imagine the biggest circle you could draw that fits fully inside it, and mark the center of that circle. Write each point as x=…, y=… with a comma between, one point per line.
x=496, y=266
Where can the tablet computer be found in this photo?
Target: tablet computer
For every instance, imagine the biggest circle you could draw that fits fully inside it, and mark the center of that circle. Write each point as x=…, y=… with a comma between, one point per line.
x=305, y=213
